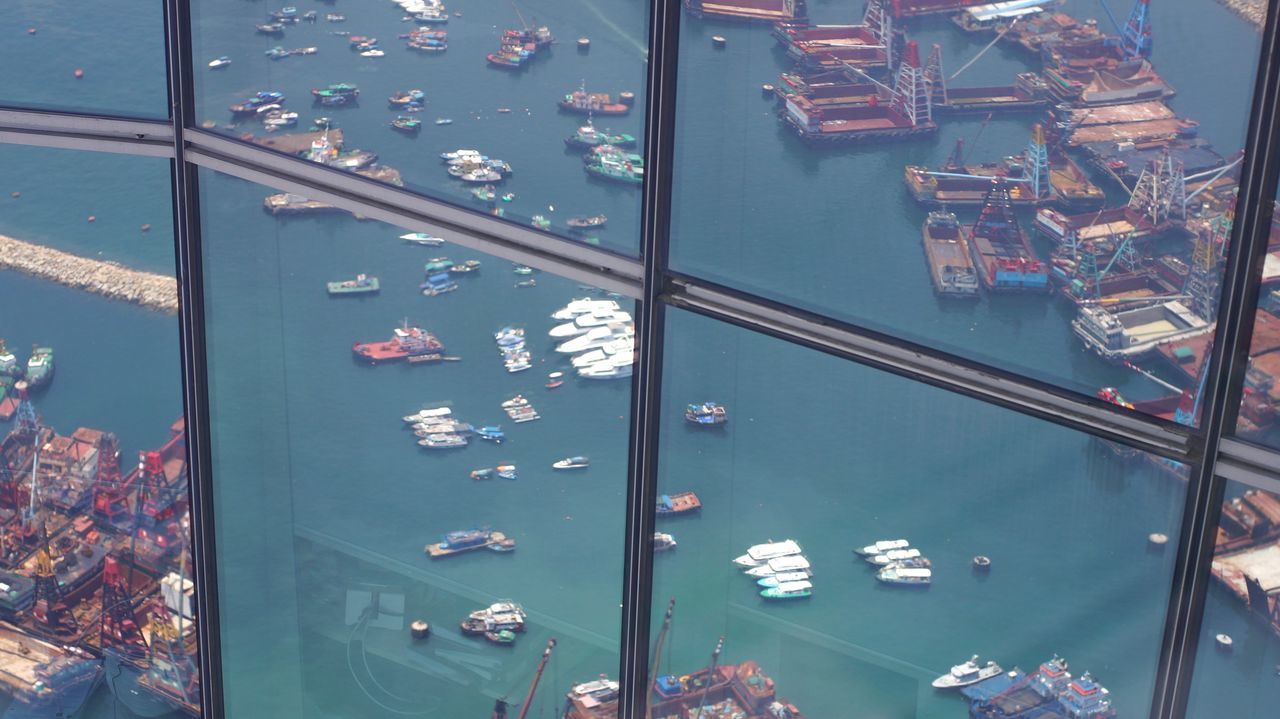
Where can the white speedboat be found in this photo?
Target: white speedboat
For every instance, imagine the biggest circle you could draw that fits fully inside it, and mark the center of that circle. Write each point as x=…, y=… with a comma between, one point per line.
x=422, y=238
x=906, y=576
x=373, y=53
x=663, y=541
x=572, y=463
x=777, y=579
x=219, y=63
x=883, y=546
x=780, y=565
x=595, y=338
x=788, y=590
x=962, y=675
x=584, y=322
x=426, y=414
x=583, y=306
x=893, y=555
x=762, y=553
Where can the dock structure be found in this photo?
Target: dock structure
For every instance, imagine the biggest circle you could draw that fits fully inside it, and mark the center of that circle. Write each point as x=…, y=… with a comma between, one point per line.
x=1253, y=11
x=752, y=10
x=1247, y=555
x=296, y=143
x=108, y=279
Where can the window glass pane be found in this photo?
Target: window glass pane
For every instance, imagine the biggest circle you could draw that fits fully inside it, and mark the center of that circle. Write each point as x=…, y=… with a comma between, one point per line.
x=105, y=58
x=1238, y=658
x=835, y=457
x=801, y=175
x=437, y=76
x=95, y=564
x=1257, y=418
x=326, y=496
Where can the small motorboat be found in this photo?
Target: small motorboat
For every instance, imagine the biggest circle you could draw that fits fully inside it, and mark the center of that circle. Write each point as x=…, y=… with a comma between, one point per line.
x=526, y=283
x=322, y=122
x=486, y=473
x=540, y=222
x=508, y=197
x=962, y=675
x=777, y=579
x=706, y=414
x=502, y=637
x=522, y=270
x=555, y=379
x=492, y=433
x=407, y=125
x=517, y=401
x=506, y=471
x=585, y=222
x=572, y=463
x=401, y=99
x=219, y=63
x=663, y=542
x=375, y=52
x=443, y=121
x=789, y=590
x=465, y=266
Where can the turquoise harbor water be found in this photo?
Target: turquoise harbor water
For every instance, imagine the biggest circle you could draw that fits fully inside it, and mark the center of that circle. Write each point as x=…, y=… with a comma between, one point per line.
x=323, y=499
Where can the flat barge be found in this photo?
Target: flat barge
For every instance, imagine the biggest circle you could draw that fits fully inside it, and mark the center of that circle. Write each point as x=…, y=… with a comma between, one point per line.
x=751, y=10
x=469, y=540
x=1001, y=251
x=951, y=268
x=1028, y=93
x=1049, y=693
x=1135, y=333
x=830, y=47
x=827, y=89
x=915, y=8
x=1110, y=225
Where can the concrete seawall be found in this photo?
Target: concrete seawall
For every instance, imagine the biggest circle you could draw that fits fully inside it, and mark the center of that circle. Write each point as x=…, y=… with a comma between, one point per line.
x=1255, y=11
x=150, y=290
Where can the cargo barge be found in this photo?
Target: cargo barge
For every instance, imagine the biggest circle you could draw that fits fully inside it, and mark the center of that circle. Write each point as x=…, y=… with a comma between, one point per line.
x=742, y=691
x=1135, y=333
x=827, y=89
x=1028, y=93
x=1111, y=225
x=751, y=10
x=914, y=8
x=1113, y=83
x=868, y=46
x=1000, y=249
x=950, y=267
x=907, y=112
x=407, y=343
x=1049, y=693
x=1125, y=161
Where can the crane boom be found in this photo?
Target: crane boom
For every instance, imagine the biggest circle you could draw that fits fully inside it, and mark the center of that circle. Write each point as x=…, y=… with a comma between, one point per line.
x=528, y=699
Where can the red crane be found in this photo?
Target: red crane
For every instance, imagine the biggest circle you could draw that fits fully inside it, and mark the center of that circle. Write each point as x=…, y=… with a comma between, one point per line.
x=500, y=707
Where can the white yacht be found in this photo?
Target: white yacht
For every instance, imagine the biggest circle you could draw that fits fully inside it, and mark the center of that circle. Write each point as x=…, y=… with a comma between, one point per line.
x=422, y=238
x=893, y=555
x=585, y=322
x=762, y=553
x=962, y=675
x=776, y=579
x=595, y=338
x=625, y=346
x=780, y=565
x=582, y=307
x=427, y=414
x=883, y=546
x=616, y=367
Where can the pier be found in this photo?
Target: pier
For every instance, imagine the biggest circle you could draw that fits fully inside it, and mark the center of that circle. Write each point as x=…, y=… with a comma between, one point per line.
x=108, y=279
x=1254, y=11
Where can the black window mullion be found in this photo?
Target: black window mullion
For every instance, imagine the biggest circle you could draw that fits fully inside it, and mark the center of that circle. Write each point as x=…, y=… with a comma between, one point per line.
x=1221, y=393
x=646, y=404
x=195, y=395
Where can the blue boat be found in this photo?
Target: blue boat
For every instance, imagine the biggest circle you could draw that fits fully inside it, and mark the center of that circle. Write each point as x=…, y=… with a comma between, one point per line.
x=438, y=284
x=706, y=414
x=493, y=434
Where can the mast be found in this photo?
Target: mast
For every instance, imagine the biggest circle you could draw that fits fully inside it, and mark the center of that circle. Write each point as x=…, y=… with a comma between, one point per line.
x=711, y=672
x=528, y=699
x=657, y=650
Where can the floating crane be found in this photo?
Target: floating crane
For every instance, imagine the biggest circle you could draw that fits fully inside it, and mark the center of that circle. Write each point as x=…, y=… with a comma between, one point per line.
x=500, y=705
x=657, y=651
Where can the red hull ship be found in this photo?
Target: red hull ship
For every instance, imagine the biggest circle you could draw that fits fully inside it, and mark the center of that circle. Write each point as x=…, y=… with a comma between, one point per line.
x=408, y=343
x=592, y=103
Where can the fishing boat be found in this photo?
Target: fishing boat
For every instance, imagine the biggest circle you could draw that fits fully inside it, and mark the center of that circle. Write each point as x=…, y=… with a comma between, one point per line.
x=422, y=238
x=893, y=555
x=277, y=53
x=776, y=579
x=614, y=168
x=406, y=343
x=663, y=542
x=580, y=223
x=555, y=379
x=883, y=546
x=438, y=284
x=40, y=367
x=502, y=637
x=789, y=590
x=270, y=28
x=572, y=463
x=762, y=553
x=587, y=137
x=592, y=103
x=219, y=63
x=278, y=119
x=442, y=441
x=361, y=285
x=670, y=505
x=426, y=414
x=257, y=102
x=962, y=675
x=905, y=576
x=492, y=433
x=465, y=267
x=407, y=125
x=400, y=99
x=467, y=540
x=779, y=565
x=706, y=414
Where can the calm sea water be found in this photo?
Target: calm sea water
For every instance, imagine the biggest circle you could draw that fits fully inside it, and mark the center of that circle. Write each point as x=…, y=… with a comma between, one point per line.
x=324, y=500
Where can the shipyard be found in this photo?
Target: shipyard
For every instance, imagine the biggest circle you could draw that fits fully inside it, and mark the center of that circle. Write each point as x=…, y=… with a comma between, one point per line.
x=1069, y=215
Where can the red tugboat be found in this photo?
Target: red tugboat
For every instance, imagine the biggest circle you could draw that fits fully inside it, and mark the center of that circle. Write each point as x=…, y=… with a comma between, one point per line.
x=408, y=343
x=592, y=103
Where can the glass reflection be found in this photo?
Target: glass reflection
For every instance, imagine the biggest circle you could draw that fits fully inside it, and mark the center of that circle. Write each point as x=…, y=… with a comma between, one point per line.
x=1237, y=670
x=845, y=538
x=935, y=169
x=1257, y=418
x=104, y=58
x=420, y=456
x=97, y=615
x=527, y=110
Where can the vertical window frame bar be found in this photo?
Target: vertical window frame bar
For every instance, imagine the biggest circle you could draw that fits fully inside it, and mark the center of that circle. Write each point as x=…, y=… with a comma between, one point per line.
x=191, y=327
x=1224, y=380
x=646, y=388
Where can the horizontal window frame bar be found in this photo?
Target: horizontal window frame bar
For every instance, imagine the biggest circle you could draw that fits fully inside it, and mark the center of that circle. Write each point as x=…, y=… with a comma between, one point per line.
x=1262, y=460
x=152, y=138
x=988, y=384
x=403, y=208
x=1247, y=474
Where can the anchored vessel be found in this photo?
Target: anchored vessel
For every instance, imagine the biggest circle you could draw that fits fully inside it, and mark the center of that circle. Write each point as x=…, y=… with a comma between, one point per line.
x=1000, y=249
x=467, y=540
x=361, y=285
x=407, y=343
x=950, y=267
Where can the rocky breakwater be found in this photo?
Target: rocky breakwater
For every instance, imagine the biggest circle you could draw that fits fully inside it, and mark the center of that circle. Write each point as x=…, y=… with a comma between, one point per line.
x=1255, y=11
x=150, y=290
